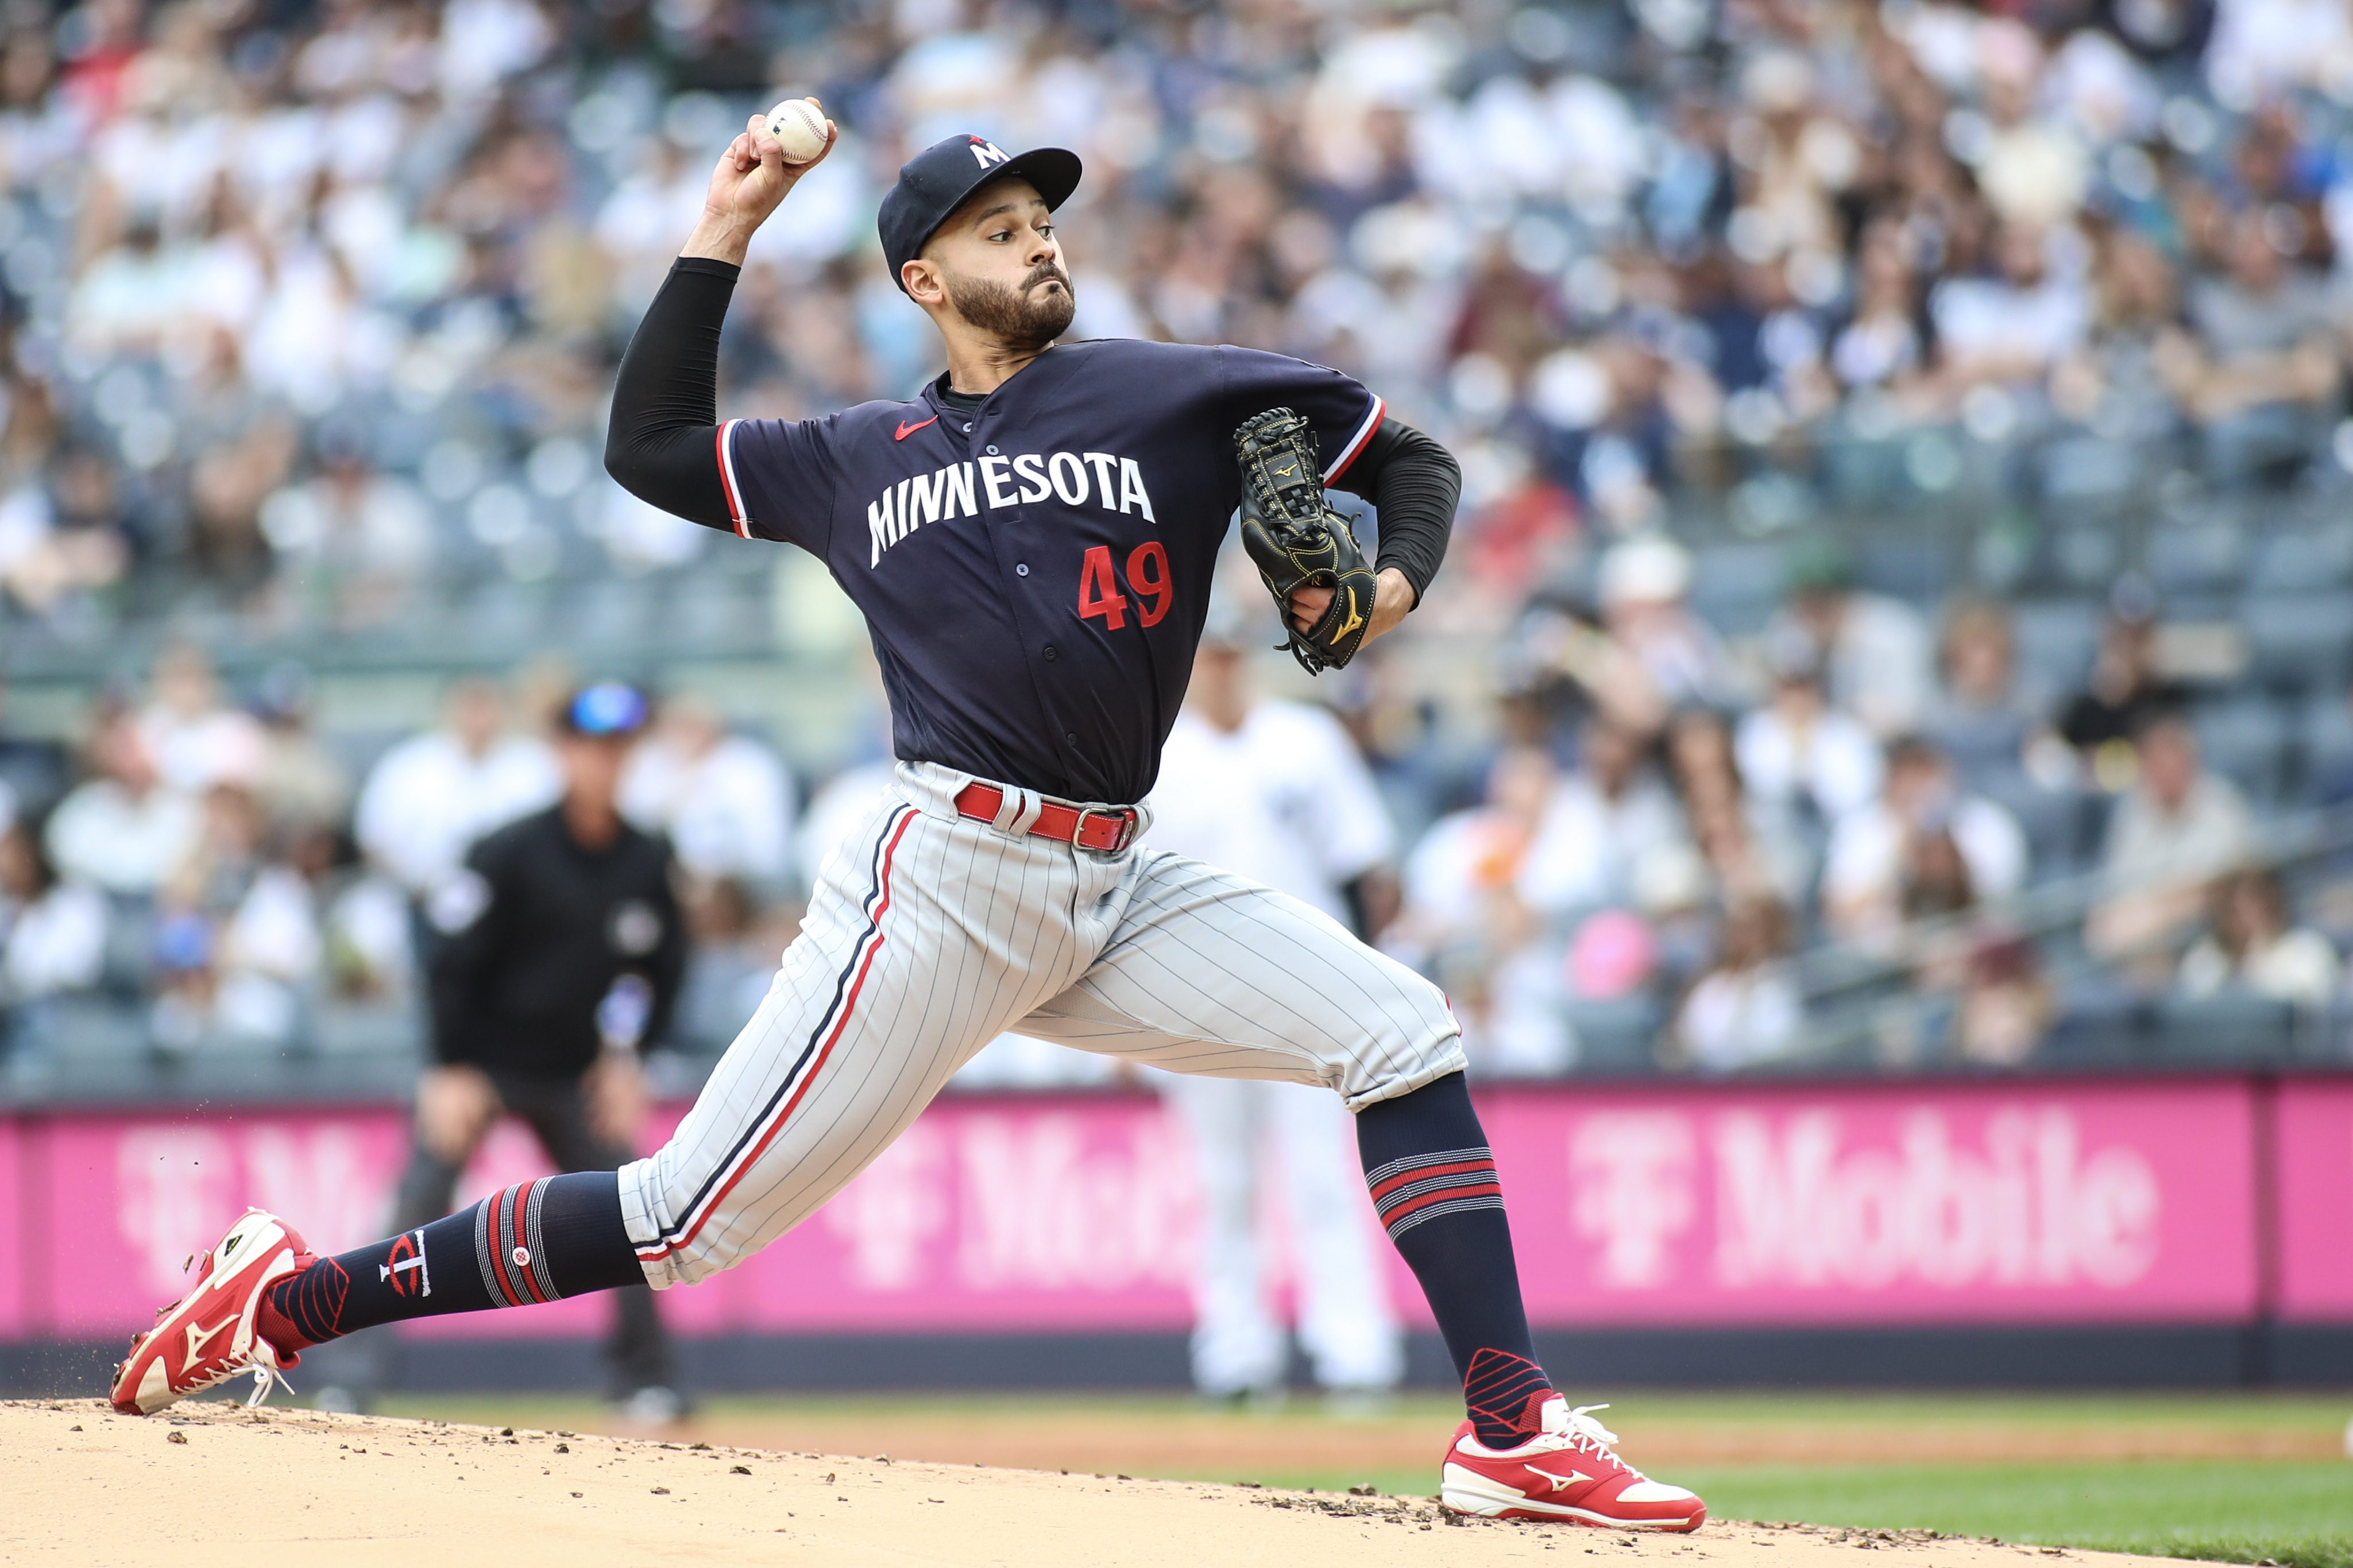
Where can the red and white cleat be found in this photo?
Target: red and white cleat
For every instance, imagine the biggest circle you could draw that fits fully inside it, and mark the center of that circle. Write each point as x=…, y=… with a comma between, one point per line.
x=1567, y=1472
x=209, y=1335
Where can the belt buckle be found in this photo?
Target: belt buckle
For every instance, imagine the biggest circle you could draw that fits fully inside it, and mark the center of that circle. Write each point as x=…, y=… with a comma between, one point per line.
x=1127, y=821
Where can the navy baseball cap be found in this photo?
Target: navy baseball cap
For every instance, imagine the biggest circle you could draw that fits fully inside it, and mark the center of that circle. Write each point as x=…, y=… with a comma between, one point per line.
x=935, y=182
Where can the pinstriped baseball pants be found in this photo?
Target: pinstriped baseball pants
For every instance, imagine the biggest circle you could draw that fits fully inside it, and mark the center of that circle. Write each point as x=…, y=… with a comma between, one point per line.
x=928, y=934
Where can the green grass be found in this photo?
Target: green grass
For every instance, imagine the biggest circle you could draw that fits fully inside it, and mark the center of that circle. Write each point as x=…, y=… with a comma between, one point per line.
x=2298, y=1512
x=2292, y=1511
x=2295, y=1514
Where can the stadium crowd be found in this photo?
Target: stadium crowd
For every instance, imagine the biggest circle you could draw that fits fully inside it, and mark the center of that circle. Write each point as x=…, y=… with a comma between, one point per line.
x=308, y=313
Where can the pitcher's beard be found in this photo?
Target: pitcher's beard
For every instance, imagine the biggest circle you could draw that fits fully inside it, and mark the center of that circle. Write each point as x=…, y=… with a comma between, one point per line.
x=1022, y=323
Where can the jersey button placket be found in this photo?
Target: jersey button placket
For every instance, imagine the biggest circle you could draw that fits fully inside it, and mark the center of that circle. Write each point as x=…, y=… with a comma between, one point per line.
x=1051, y=653
x=1022, y=568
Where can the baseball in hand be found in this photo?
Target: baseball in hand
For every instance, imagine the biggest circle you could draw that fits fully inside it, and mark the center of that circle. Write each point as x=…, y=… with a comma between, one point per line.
x=798, y=127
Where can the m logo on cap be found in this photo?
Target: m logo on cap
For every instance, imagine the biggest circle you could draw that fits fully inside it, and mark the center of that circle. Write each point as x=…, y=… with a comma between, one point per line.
x=987, y=154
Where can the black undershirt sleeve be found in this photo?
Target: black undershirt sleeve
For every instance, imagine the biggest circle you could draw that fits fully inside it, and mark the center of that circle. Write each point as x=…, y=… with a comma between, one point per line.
x=1416, y=484
x=659, y=445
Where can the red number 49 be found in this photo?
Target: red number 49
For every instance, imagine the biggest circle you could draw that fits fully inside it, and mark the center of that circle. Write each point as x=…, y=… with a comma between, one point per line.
x=1148, y=579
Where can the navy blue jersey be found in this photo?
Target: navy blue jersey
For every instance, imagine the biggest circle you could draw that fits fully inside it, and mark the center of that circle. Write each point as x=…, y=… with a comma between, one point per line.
x=1035, y=572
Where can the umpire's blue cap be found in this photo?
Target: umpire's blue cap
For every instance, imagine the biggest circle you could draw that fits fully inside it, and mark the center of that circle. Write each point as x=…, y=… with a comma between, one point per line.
x=935, y=182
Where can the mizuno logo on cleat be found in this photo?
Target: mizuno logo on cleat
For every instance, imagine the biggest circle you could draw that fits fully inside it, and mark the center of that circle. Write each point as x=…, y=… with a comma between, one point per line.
x=199, y=1338
x=1557, y=1481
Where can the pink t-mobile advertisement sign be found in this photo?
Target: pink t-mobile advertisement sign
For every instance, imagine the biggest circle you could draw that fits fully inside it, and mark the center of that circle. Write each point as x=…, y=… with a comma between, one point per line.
x=12, y=1325
x=2314, y=1143
x=989, y=1213
x=1882, y=1203
x=1689, y=1204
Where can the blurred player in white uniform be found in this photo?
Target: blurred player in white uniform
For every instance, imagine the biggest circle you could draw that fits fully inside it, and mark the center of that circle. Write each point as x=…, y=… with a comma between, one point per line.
x=1275, y=791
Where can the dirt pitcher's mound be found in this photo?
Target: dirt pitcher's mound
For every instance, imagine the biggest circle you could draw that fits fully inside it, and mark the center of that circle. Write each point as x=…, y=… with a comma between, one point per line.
x=215, y=1484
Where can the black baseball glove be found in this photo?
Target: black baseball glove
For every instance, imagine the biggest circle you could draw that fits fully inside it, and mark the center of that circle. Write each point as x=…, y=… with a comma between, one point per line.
x=1298, y=540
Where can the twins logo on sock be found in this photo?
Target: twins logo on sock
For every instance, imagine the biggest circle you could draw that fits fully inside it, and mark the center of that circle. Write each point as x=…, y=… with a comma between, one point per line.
x=404, y=1269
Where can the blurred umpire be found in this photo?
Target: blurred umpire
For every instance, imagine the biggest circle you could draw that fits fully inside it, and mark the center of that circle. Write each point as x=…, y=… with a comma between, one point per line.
x=561, y=953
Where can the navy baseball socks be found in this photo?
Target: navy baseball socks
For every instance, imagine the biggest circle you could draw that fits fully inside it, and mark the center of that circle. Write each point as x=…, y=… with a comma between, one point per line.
x=1433, y=1183
x=535, y=1241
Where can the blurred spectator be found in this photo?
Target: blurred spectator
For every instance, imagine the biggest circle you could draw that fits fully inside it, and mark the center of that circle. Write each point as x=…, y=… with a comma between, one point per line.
x=1882, y=853
x=197, y=738
x=1463, y=923
x=2124, y=693
x=1641, y=587
x=349, y=542
x=1749, y=846
x=835, y=812
x=1799, y=751
x=2251, y=945
x=237, y=938
x=33, y=771
x=1747, y=1008
x=2264, y=371
x=725, y=800
x=2121, y=383
x=731, y=964
x=299, y=781
x=1874, y=650
x=2006, y=1004
x=431, y=796
x=55, y=930
x=124, y=830
x=1611, y=833
x=2172, y=833
x=1980, y=717
x=2010, y=328
x=64, y=537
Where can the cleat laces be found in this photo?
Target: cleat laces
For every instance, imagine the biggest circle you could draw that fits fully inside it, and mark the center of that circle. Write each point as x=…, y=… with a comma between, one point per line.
x=1587, y=1436
x=265, y=1377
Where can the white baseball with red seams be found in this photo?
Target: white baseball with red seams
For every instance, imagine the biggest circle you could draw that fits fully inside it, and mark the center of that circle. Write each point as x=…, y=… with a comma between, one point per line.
x=929, y=933
x=798, y=126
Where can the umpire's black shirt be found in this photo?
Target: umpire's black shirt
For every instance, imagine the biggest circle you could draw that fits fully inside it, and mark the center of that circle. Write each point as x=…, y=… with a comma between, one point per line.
x=539, y=927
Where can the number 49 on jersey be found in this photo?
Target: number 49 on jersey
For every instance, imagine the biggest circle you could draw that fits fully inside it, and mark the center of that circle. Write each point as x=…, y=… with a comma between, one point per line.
x=1148, y=579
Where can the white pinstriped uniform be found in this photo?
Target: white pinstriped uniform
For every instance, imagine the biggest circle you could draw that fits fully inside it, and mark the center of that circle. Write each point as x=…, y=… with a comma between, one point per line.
x=929, y=933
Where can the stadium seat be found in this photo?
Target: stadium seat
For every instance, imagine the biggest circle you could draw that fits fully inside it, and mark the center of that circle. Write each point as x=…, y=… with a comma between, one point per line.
x=1722, y=573
x=2302, y=560
x=1914, y=566
x=2055, y=639
x=2085, y=556
x=1615, y=1040
x=88, y=1033
x=2299, y=641
x=2205, y=557
x=2052, y=820
x=2231, y=1026
x=2245, y=739
x=2325, y=741
x=2099, y=1024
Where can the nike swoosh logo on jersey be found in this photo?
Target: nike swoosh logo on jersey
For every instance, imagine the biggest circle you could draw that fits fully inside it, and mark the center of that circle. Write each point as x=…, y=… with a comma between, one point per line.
x=198, y=1339
x=906, y=430
x=1557, y=1481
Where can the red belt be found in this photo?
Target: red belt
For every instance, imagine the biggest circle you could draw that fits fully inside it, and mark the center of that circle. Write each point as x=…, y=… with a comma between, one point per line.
x=1107, y=831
